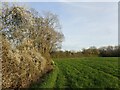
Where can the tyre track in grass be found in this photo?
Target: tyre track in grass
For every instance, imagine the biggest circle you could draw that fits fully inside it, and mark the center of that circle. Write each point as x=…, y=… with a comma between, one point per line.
x=92, y=79
x=61, y=81
x=63, y=69
x=82, y=81
x=100, y=72
x=97, y=70
x=50, y=80
x=72, y=76
x=103, y=66
x=66, y=69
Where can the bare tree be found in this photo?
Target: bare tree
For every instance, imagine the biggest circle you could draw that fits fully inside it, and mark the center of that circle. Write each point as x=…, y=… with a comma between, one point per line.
x=20, y=24
x=48, y=38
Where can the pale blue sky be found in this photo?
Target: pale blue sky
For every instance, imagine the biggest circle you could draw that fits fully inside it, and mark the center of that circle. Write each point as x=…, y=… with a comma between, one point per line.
x=84, y=24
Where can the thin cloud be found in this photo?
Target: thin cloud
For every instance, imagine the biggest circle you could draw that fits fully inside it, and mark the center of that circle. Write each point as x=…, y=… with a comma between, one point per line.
x=92, y=24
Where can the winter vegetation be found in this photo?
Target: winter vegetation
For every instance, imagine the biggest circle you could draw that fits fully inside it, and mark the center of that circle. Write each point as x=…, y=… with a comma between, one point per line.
x=27, y=40
x=31, y=55
x=107, y=51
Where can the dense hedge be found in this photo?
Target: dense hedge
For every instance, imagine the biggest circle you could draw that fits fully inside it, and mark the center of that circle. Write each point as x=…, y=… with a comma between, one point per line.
x=20, y=68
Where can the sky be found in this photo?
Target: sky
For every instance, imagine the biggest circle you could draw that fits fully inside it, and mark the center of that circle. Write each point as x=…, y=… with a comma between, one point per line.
x=84, y=24
x=59, y=0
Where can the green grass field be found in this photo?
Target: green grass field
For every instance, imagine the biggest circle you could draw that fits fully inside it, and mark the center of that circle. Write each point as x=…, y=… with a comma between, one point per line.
x=88, y=72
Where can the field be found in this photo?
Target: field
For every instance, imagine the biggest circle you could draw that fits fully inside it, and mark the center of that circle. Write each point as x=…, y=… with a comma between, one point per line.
x=88, y=72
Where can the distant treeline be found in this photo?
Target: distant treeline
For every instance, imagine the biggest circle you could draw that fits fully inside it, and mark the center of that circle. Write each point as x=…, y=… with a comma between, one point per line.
x=108, y=51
